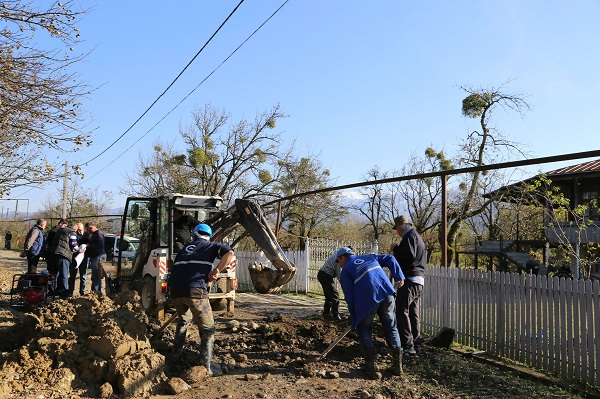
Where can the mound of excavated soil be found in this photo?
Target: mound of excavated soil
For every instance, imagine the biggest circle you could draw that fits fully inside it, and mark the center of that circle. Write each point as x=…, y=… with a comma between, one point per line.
x=95, y=346
x=72, y=347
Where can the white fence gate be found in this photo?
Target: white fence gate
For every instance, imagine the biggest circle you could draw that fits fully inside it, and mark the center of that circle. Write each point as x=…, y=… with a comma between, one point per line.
x=307, y=264
x=319, y=250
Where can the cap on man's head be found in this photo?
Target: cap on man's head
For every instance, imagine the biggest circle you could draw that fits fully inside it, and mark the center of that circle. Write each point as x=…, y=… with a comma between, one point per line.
x=401, y=221
x=343, y=251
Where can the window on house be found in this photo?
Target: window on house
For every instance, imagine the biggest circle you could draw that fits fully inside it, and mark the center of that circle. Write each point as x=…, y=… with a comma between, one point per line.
x=590, y=200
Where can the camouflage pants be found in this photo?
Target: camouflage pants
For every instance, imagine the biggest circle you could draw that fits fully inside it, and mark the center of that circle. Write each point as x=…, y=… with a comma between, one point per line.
x=198, y=310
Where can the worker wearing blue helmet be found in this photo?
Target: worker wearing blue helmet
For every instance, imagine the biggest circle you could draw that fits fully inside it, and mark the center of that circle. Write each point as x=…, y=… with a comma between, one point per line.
x=191, y=274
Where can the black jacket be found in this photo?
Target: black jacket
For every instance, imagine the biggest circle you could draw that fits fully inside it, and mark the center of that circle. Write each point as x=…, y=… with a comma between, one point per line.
x=410, y=254
x=63, y=242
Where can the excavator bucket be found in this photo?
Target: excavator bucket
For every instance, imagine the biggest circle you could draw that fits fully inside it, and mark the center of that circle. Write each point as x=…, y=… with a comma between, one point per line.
x=264, y=279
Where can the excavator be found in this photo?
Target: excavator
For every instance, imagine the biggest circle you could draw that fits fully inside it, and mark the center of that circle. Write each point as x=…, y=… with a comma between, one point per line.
x=151, y=221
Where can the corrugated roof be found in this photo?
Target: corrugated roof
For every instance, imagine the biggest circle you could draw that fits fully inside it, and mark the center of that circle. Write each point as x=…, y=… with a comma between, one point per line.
x=591, y=166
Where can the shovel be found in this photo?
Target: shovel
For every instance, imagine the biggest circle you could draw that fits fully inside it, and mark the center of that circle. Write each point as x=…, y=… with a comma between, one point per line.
x=329, y=348
x=162, y=328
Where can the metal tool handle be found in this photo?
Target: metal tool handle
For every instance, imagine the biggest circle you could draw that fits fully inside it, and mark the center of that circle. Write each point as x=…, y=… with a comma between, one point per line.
x=335, y=342
x=165, y=325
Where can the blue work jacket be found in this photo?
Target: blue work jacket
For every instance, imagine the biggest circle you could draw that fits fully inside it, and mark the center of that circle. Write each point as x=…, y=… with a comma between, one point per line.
x=365, y=283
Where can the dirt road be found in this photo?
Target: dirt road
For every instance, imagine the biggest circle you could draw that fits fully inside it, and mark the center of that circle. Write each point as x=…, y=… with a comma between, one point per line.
x=94, y=346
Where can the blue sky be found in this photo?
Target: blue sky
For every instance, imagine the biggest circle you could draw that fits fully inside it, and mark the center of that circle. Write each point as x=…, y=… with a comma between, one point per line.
x=364, y=83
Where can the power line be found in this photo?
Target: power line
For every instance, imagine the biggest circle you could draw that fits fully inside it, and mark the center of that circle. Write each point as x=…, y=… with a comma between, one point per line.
x=191, y=92
x=167, y=89
x=178, y=104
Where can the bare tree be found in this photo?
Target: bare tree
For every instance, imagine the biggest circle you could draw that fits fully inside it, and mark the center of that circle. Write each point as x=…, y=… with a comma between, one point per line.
x=420, y=198
x=372, y=207
x=231, y=160
x=40, y=97
x=301, y=216
x=159, y=173
x=480, y=147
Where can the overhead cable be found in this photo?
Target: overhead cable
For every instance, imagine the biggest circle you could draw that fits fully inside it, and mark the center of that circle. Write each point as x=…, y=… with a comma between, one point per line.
x=167, y=89
x=190, y=93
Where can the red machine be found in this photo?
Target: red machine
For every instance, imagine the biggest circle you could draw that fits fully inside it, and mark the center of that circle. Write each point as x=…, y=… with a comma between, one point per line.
x=30, y=289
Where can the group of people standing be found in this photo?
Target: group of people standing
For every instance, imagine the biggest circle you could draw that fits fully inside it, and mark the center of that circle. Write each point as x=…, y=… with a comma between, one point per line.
x=69, y=248
x=368, y=291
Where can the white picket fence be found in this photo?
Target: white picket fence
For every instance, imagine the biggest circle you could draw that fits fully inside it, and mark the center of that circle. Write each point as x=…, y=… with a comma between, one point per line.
x=545, y=322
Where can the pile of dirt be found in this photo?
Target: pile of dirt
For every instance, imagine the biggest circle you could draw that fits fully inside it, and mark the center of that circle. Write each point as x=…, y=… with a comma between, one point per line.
x=96, y=346
x=81, y=347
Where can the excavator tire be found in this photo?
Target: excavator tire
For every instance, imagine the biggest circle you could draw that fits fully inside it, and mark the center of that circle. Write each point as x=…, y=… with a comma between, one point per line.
x=148, y=295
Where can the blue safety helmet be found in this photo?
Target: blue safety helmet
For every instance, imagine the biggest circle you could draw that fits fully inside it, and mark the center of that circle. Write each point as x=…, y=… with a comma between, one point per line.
x=344, y=251
x=202, y=230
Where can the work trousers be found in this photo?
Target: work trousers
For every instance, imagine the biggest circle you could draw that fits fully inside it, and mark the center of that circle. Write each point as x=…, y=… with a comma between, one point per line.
x=62, y=277
x=200, y=311
x=407, y=312
x=94, y=262
x=32, y=262
x=82, y=270
x=386, y=310
x=332, y=296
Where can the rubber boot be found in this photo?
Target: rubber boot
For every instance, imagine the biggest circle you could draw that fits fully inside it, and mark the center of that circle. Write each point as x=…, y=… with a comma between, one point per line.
x=370, y=368
x=335, y=314
x=179, y=341
x=396, y=367
x=206, y=351
x=326, y=312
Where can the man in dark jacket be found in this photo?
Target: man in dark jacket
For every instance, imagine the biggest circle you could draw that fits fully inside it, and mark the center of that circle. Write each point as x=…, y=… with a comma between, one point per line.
x=183, y=224
x=7, y=239
x=95, y=253
x=532, y=266
x=34, y=245
x=189, y=286
x=65, y=242
x=411, y=256
x=51, y=260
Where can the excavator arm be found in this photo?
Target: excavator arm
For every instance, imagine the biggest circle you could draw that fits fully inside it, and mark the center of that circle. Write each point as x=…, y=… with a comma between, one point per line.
x=250, y=216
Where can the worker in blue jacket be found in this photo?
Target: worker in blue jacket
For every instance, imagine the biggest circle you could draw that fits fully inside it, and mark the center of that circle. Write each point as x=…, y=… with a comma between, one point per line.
x=368, y=292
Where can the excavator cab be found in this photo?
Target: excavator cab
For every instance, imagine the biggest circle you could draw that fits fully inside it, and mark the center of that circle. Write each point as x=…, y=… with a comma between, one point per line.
x=161, y=223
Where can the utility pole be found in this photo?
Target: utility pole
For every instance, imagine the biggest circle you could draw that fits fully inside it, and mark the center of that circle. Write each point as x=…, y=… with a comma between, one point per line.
x=65, y=190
